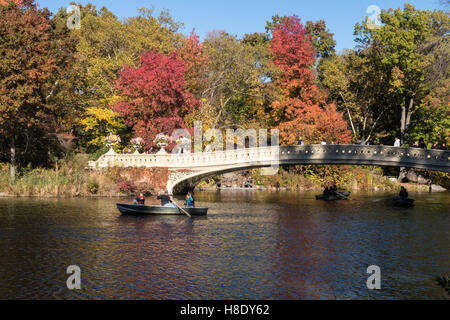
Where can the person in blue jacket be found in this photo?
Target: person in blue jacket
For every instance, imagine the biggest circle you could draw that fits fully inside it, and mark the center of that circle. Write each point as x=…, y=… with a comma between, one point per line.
x=190, y=202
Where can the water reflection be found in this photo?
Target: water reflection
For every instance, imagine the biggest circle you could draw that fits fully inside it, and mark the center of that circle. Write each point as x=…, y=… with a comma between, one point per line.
x=253, y=245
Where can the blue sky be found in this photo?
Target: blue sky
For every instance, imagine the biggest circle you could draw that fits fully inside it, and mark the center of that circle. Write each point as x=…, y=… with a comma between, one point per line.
x=248, y=16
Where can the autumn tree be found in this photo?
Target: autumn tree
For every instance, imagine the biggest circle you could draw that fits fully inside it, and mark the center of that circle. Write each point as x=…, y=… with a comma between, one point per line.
x=321, y=37
x=32, y=56
x=192, y=52
x=154, y=96
x=300, y=109
x=104, y=44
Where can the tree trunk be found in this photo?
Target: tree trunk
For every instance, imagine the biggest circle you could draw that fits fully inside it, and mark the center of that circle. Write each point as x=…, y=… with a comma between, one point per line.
x=13, y=159
x=349, y=116
x=403, y=124
x=406, y=119
x=409, y=113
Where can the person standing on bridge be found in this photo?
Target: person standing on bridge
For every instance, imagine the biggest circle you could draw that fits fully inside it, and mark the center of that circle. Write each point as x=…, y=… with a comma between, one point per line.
x=397, y=142
x=300, y=142
x=185, y=144
x=422, y=144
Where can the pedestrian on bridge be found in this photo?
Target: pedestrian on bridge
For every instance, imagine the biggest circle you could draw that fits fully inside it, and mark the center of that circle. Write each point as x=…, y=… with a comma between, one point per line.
x=422, y=144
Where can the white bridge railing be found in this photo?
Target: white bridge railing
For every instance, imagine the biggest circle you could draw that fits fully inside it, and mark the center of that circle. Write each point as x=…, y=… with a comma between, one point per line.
x=311, y=154
x=187, y=161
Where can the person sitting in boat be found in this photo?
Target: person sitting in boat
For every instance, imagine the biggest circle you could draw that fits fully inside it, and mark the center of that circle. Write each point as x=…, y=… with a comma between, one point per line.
x=327, y=191
x=140, y=199
x=165, y=199
x=403, y=193
x=333, y=189
x=190, y=202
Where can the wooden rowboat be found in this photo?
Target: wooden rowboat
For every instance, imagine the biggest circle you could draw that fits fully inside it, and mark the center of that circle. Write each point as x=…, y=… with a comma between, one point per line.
x=403, y=202
x=131, y=209
x=334, y=197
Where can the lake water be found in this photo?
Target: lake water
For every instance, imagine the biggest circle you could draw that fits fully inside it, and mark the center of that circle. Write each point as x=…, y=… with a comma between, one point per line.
x=252, y=245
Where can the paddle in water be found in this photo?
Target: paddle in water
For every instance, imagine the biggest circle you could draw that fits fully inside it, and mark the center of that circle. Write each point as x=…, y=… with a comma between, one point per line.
x=342, y=195
x=181, y=209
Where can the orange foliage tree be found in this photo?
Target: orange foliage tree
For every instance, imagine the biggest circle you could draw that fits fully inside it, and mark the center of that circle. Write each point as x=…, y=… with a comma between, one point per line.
x=6, y=2
x=193, y=54
x=299, y=112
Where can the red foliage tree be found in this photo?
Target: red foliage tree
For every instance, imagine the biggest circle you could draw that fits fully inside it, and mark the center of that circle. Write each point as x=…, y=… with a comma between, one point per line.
x=155, y=98
x=300, y=112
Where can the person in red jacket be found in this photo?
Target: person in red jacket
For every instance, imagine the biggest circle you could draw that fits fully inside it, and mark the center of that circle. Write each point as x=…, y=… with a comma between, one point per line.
x=140, y=199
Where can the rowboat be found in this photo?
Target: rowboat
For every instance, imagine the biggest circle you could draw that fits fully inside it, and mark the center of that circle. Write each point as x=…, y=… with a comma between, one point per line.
x=334, y=197
x=403, y=202
x=132, y=209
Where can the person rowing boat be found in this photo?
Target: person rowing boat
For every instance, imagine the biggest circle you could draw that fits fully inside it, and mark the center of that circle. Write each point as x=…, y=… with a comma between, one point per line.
x=403, y=193
x=190, y=202
x=331, y=193
x=402, y=200
x=166, y=201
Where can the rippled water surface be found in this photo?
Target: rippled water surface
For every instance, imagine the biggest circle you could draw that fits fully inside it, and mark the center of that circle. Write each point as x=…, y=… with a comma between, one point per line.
x=252, y=245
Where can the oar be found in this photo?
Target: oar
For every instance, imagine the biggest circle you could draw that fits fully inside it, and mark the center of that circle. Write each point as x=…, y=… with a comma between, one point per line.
x=182, y=210
x=378, y=200
x=342, y=195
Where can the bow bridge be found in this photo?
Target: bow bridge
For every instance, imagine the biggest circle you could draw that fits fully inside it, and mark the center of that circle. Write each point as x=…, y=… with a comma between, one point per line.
x=192, y=168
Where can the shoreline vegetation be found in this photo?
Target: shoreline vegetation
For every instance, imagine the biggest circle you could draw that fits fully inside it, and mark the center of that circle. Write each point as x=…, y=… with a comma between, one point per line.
x=70, y=178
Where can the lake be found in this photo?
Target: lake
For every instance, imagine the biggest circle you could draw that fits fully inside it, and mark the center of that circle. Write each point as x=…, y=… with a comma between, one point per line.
x=252, y=245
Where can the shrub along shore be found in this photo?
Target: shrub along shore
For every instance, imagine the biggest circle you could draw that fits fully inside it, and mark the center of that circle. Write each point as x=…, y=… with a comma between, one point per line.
x=70, y=178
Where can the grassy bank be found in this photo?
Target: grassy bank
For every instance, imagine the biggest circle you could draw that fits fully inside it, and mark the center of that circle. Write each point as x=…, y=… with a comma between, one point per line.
x=70, y=178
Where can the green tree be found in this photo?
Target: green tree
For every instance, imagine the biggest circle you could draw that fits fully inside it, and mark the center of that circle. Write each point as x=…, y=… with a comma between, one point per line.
x=401, y=40
x=235, y=74
x=358, y=83
x=322, y=38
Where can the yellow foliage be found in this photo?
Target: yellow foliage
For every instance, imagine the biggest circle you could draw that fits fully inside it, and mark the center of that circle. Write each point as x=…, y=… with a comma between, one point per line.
x=97, y=123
